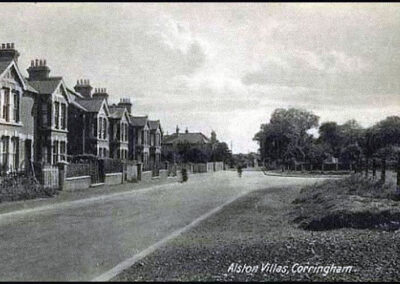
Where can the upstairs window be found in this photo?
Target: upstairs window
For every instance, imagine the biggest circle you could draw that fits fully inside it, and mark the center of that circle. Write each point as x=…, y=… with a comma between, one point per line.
x=16, y=106
x=6, y=105
x=99, y=135
x=63, y=116
x=104, y=128
x=57, y=115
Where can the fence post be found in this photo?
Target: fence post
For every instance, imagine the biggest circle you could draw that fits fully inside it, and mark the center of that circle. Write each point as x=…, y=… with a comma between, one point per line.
x=383, y=172
x=374, y=168
x=398, y=175
x=62, y=173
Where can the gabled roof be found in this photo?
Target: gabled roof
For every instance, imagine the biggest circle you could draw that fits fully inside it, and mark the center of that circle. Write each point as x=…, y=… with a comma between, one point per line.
x=91, y=105
x=192, y=138
x=73, y=93
x=6, y=64
x=154, y=124
x=118, y=112
x=46, y=86
x=139, y=121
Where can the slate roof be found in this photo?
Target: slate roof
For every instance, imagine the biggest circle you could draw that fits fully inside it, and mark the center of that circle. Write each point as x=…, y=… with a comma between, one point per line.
x=116, y=112
x=192, y=138
x=46, y=86
x=4, y=65
x=91, y=105
x=154, y=124
x=138, y=120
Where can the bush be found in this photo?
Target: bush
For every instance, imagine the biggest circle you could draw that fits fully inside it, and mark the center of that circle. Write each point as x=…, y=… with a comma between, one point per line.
x=23, y=188
x=352, y=202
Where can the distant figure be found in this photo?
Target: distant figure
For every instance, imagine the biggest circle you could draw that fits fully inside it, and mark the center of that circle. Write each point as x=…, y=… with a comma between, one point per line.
x=239, y=170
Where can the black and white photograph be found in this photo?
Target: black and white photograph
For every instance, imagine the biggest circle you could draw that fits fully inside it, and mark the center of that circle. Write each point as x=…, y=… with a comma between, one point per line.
x=200, y=141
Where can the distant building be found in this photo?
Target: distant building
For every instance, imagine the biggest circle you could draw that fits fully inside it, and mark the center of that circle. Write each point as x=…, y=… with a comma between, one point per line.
x=194, y=139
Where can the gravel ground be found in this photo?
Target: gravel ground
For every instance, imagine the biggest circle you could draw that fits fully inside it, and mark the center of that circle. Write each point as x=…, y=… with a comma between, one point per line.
x=256, y=230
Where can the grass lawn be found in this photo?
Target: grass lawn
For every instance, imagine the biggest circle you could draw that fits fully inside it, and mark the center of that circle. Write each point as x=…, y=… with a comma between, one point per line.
x=258, y=229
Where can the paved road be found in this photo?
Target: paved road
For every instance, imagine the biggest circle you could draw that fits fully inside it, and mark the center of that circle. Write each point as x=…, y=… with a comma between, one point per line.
x=82, y=240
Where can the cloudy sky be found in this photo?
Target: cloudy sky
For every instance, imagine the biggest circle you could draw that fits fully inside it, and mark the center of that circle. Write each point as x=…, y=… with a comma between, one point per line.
x=221, y=66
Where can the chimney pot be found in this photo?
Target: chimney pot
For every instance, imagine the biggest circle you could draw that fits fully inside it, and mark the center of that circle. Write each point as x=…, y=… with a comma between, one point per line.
x=8, y=45
x=36, y=62
x=40, y=62
x=3, y=45
x=32, y=63
x=44, y=62
x=12, y=45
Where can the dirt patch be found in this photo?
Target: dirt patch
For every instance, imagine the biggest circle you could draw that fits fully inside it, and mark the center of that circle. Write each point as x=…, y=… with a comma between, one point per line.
x=352, y=202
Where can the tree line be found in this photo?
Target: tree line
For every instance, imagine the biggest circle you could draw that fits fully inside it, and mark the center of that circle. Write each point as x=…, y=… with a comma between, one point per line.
x=287, y=139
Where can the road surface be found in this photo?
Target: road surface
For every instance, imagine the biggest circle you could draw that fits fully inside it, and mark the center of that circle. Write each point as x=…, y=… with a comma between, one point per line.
x=82, y=240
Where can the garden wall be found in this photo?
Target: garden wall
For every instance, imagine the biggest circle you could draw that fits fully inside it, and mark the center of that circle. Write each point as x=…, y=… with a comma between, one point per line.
x=113, y=178
x=74, y=183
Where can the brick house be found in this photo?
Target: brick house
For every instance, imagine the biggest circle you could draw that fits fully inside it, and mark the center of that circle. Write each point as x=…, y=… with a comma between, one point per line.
x=119, y=128
x=17, y=113
x=155, y=142
x=194, y=139
x=91, y=111
x=52, y=113
x=140, y=140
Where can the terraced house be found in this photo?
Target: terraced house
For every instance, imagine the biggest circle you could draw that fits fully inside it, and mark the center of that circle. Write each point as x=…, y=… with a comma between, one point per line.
x=155, y=143
x=140, y=141
x=95, y=117
x=17, y=113
x=42, y=120
x=119, y=127
x=52, y=113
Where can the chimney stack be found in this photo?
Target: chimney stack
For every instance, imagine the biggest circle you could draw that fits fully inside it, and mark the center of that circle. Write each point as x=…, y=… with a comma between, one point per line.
x=8, y=52
x=126, y=103
x=38, y=70
x=83, y=87
x=100, y=93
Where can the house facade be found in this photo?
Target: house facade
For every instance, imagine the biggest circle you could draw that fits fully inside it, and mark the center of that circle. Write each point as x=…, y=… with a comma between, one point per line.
x=140, y=132
x=52, y=114
x=155, y=132
x=44, y=121
x=17, y=114
x=119, y=128
x=93, y=112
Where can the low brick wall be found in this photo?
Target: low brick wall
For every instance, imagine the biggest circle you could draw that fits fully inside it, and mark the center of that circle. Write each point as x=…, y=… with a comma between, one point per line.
x=146, y=176
x=74, y=183
x=113, y=178
x=131, y=172
x=163, y=174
